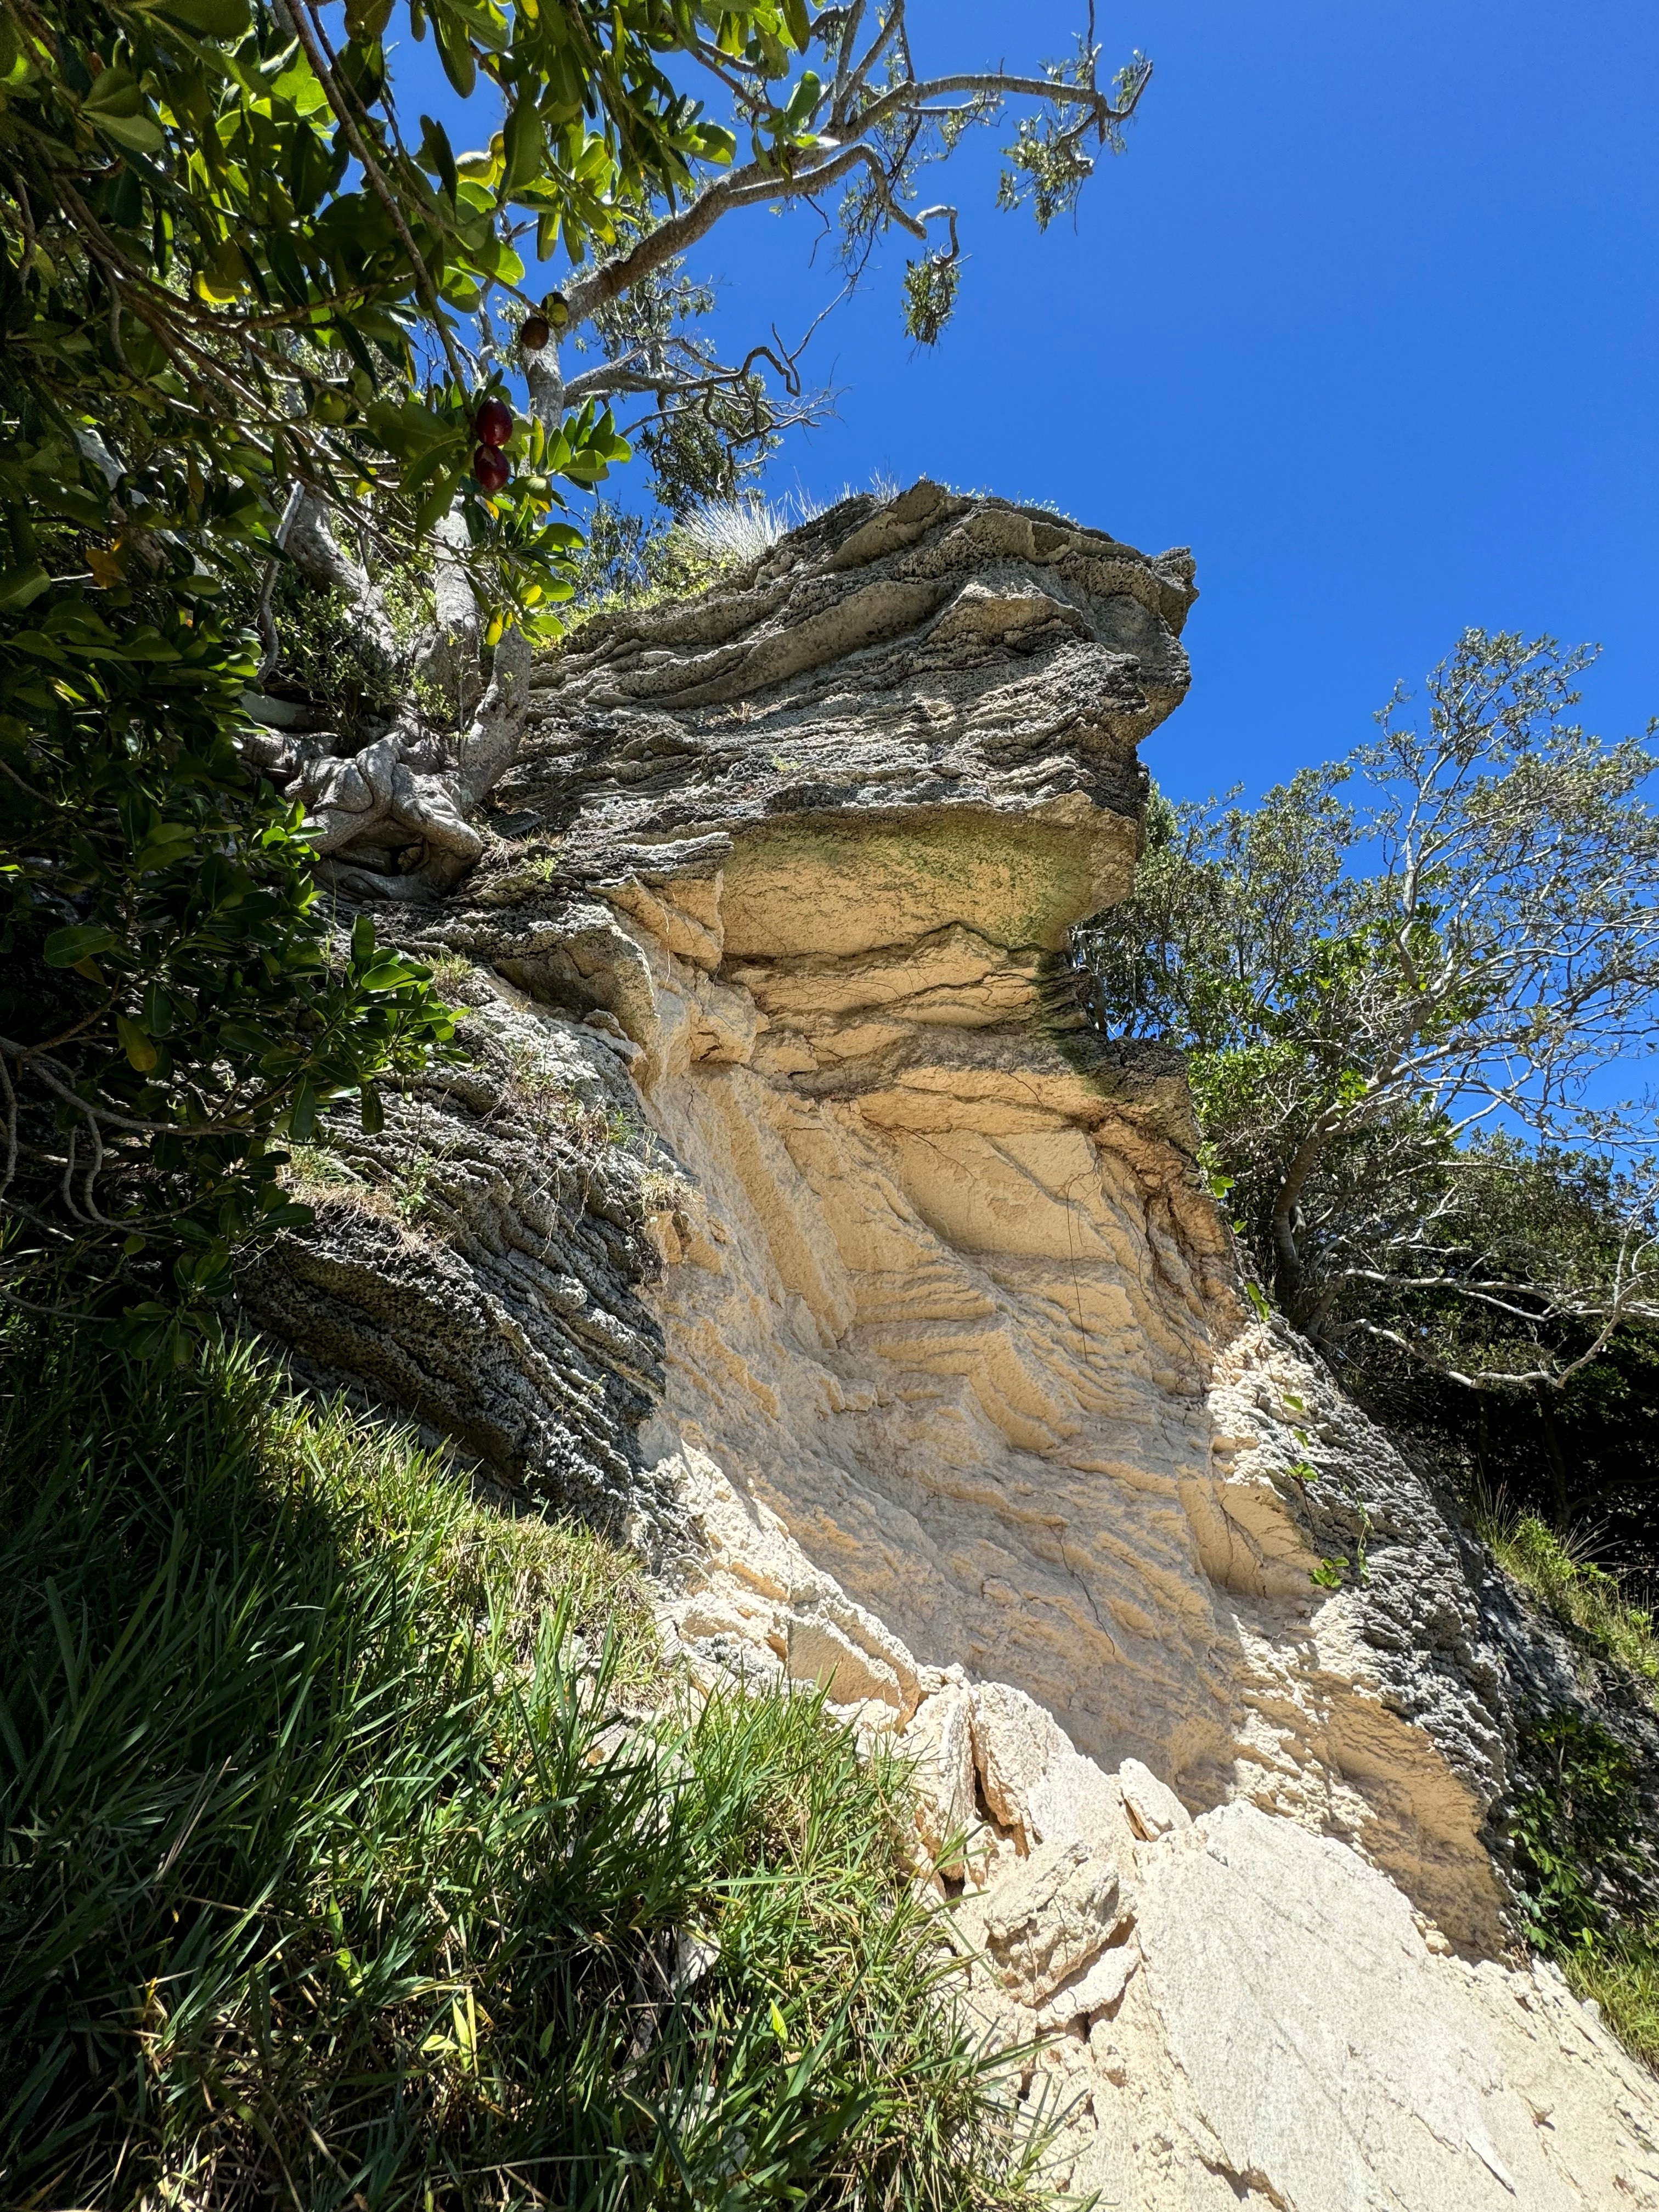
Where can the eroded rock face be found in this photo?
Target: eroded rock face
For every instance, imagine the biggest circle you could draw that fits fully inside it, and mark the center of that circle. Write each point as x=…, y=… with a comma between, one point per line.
x=893, y=1317
x=1238, y=2010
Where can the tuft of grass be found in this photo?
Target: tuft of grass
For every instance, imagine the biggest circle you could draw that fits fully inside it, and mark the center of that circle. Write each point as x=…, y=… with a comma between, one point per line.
x=1620, y=1974
x=735, y=532
x=1585, y=1599
x=458, y=980
x=338, y=1870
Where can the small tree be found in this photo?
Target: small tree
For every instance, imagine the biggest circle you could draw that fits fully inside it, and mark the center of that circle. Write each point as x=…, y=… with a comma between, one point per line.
x=1403, y=1014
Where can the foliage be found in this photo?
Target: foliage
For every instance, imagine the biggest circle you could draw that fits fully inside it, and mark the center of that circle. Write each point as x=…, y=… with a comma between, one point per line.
x=1546, y=1226
x=631, y=560
x=1586, y=1600
x=331, y=1879
x=329, y=666
x=171, y=1000
x=1620, y=1974
x=1398, y=1011
x=191, y=192
x=1577, y=1829
x=865, y=122
x=225, y=280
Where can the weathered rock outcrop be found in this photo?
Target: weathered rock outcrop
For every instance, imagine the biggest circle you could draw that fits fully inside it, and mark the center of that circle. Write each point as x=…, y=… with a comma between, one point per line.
x=788, y=1211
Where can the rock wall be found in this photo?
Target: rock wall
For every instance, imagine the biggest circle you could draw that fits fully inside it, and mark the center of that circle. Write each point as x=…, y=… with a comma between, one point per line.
x=787, y=1212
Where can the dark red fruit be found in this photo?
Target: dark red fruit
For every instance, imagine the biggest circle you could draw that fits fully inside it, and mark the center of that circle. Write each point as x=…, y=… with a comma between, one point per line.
x=492, y=469
x=533, y=333
x=494, y=422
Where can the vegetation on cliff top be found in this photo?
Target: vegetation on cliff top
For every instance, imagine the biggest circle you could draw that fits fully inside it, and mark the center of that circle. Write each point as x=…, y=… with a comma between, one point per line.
x=339, y=1873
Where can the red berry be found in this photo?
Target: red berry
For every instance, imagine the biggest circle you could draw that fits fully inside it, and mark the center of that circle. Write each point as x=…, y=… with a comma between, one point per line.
x=533, y=333
x=492, y=469
x=494, y=422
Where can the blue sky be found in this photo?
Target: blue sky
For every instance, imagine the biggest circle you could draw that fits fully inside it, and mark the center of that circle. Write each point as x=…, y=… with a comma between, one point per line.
x=1368, y=315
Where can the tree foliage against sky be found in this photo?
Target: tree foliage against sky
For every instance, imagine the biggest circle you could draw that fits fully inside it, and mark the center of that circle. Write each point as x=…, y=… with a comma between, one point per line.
x=1416, y=1016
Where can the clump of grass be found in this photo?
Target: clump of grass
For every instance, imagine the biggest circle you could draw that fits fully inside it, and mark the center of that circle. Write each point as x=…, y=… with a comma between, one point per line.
x=735, y=532
x=1620, y=1974
x=330, y=1879
x=1585, y=1599
x=320, y=1168
x=458, y=980
x=549, y=1102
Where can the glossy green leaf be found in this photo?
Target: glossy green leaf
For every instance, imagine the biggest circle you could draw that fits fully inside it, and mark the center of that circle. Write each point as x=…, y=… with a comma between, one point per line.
x=453, y=52
x=525, y=142
x=141, y=1054
x=67, y=948
x=438, y=154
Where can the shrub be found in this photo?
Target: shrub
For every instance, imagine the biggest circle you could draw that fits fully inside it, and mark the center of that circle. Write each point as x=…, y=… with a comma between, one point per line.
x=1578, y=1848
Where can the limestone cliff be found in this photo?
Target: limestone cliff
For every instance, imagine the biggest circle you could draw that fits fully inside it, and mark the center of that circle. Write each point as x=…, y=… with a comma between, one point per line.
x=786, y=1211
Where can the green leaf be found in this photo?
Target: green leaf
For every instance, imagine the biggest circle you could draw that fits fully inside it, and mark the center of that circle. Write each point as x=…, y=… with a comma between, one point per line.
x=141, y=1054
x=372, y=1111
x=67, y=948
x=455, y=52
x=438, y=154
x=292, y=1215
x=803, y=98
x=363, y=937
x=367, y=19
x=524, y=143
x=715, y=143
x=114, y=92
x=20, y=587
x=390, y=976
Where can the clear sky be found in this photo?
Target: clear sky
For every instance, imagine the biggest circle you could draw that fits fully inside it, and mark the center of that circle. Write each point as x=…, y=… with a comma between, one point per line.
x=1368, y=315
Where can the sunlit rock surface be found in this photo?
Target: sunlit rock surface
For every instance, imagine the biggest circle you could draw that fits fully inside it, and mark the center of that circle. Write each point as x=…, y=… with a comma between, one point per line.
x=787, y=1213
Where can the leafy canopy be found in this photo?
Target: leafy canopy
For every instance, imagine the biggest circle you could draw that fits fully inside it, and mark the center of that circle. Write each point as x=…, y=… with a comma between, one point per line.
x=1404, y=1011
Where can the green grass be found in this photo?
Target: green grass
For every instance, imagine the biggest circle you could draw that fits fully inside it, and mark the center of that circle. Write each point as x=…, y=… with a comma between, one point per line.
x=1621, y=1973
x=1581, y=1817
x=328, y=1878
x=1585, y=1599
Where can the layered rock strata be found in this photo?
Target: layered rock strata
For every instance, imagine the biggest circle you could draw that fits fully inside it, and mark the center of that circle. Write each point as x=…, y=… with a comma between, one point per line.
x=787, y=1212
